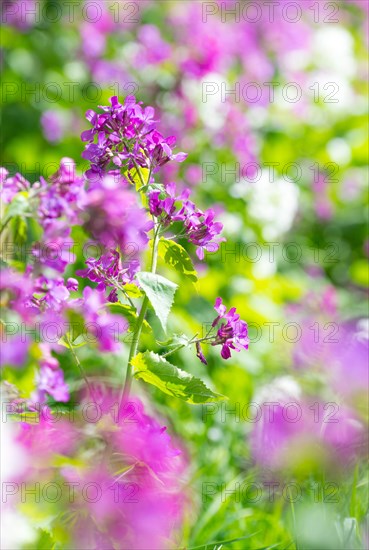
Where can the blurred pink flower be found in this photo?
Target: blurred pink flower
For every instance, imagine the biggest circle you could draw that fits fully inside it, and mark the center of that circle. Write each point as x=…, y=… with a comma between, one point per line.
x=350, y=367
x=52, y=126
x=295, y=431
x=126, y=471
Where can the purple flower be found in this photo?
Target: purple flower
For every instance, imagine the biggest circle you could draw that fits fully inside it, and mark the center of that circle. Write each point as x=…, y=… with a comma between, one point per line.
x=104, y=326
x=14, y=350
x=50, y=293
x=155, y=464
x=55, y=249
x=199, y=227
x=50, y=379
x=16, y=292
x=126, y=134
x=109, y=271
x=162, y=204
x=114, y=218
x=291, y=431
x=153, y=48
x=233, y=335
x=10, y=186
x=348, y=362
x=63, y=197
x=201, y=230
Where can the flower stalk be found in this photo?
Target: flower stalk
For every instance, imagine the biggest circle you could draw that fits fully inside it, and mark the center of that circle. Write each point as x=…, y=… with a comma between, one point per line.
x=141, y=318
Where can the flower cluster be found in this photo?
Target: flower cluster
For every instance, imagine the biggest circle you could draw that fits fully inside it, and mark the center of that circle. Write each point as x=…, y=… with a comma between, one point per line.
x=200, y=228
x=107, y=208
x=44, y=304
x=109, y=271
x=59, y=207
x=126, y=136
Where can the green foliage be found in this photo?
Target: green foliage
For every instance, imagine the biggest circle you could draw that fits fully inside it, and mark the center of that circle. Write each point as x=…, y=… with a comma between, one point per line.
x=160, y=291
x=176, y=256
x=129, y=313
x=157, y=371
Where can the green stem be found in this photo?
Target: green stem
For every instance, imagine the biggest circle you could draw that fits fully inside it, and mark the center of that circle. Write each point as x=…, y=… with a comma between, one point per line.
x=5, y=224
x=139, y=174
x=140, y=320
x=79, y=365
x=189, y=343
x=176, y=349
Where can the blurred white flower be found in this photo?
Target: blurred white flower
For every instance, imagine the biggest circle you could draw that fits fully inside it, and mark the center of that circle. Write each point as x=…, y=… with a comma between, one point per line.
x=283, y=389
x=16, y=529
x=333, y=49
x=273, y=204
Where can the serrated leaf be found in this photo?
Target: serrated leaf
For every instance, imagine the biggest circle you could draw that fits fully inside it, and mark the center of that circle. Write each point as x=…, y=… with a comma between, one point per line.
x=176, y=256
x=129, y=313
x=156, y=370
x=160, y=291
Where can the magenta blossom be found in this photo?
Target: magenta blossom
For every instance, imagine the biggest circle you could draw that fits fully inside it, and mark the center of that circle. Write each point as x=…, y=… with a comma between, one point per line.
x=233, y=335
x=126, y=135
x=103, y=325
x=113, y=216
x=10, y=186
x=162, y=204
x=50, y=378
x=199, y=227
x=14, y=350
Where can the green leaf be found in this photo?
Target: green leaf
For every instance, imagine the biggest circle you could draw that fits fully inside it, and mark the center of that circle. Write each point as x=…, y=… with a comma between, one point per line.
x=132, y=290
x=176, y=256
x=160, y=292
x=129, y=313
x=15, y=213
x=44, y=541
x=76, y=328
x=18, y=226
x=156, y=370
x=18, y=207
x=135, y=177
